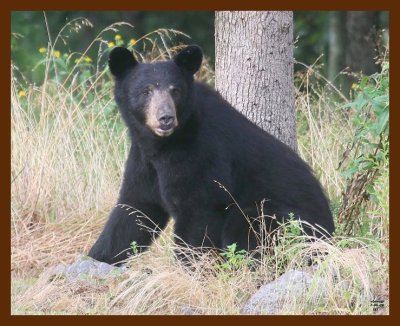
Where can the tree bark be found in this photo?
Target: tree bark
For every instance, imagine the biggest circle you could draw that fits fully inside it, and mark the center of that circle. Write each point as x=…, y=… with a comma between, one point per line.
x=254, y=68
x=360, y=53
x=336, y=42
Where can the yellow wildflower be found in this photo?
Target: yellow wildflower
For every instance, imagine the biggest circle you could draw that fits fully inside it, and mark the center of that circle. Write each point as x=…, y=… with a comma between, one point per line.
x=132, y=42
x=42, y=50
x=88, y=59
x=21, y=93
x=118, y=37
x=57, y=54
x=111, y=44
x=354, y=86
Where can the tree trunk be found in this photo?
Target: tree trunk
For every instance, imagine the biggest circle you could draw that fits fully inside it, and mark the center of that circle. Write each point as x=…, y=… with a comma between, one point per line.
x=336, y=39
x=360, y=53
x=254, y=68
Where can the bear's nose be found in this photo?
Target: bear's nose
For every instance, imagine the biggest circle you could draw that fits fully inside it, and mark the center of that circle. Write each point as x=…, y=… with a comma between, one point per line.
x=166, y=121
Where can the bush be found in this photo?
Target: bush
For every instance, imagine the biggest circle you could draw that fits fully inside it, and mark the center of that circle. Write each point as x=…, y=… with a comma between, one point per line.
x=366, y=160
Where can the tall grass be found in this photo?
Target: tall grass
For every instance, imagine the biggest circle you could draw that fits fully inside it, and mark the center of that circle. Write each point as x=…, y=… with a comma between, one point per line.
x=68, y=152
x=322, y=128
x=69, y=144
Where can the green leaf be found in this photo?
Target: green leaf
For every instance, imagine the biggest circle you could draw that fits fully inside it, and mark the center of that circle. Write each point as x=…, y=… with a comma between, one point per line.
x=350, y=171
x=383, y=121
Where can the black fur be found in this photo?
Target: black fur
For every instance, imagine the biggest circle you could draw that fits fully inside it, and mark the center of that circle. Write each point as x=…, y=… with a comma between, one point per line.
x=174, y=176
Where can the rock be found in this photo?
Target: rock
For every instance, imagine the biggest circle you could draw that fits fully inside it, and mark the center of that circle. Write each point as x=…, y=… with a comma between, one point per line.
x=189, y=310
x=59, y=269
x=103, y=269
x=85, y=267
x=273, y=297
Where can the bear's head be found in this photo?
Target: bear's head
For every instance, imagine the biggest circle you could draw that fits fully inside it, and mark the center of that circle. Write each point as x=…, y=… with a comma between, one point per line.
x=155, y=96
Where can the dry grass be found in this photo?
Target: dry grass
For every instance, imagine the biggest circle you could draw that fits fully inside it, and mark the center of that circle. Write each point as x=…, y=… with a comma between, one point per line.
x=68, y=152
x=346, y=281
x=322, y=143
x=53, y=190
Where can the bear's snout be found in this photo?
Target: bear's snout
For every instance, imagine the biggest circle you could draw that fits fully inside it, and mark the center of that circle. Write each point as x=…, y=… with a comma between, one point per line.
x=161, y=114
x=166, y=121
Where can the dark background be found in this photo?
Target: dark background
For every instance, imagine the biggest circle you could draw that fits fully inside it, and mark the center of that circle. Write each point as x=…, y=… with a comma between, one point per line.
x=346, y=40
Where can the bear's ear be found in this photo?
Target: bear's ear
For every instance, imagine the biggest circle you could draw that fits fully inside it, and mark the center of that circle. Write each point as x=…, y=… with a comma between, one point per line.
x=189, y=58
x=120, y=60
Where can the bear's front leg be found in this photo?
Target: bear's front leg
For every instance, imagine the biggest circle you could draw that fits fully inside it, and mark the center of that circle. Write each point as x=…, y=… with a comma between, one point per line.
x=125, y=226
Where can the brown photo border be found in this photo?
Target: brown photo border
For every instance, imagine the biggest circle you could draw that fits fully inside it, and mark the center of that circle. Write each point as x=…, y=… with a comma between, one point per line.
x=308, y=5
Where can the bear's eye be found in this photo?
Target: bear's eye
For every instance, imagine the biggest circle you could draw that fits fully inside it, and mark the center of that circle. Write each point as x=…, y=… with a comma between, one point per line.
x=175, y=91
x=146, y=91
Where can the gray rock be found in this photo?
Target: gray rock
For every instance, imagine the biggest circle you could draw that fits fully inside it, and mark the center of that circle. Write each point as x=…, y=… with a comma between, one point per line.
x=85, y=267
x=273, y=297
x=59, y=269
x=189, y=310
x=104, y=269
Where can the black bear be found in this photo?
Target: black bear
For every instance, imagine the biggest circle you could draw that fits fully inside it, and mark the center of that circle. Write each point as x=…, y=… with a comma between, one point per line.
x=187, y=141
